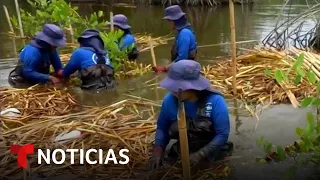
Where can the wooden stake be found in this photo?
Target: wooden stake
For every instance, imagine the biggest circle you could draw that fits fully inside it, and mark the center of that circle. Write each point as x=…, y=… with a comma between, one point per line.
x=184, y=147
x=233, y=47
x=154, y=62
x=111, y=21
x=71, y=33
x=19, y=18
x=8, y=18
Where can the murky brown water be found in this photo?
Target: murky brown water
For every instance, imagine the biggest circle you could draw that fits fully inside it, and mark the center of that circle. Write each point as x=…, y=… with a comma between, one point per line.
x=212, y=27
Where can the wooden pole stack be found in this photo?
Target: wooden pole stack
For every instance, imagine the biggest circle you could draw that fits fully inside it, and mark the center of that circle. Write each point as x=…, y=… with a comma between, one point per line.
x=233, y=47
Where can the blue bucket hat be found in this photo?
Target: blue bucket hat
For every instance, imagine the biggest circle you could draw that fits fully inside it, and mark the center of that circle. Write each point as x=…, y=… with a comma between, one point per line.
x=186, y=75
x=88, y=33
x=52, y=34
x=173, y=13
x=121, y=21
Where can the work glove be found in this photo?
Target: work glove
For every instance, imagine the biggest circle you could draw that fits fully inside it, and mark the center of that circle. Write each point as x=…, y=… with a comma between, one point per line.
x=195, y=158
x=59, y=74
x=207, y=152
x=54, y=80
x=160, y=68
x=156, y=159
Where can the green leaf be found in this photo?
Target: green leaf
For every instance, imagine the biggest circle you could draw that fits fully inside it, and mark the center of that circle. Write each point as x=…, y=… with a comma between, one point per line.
x=306, y=102
x=259, y=141
x=281, y=153
x=311, y=77
x=299, y=62
x=297, y=80
x=262, y=161
x=267, y=72
x=316, y=102
x=299, y=131
x=318, y=86
x=302, y=147
x=301, y=72
x=39, y=13
x=267, y=147
x=100, y=13
x=290, y=173
x=278, y=76
x=310, y=120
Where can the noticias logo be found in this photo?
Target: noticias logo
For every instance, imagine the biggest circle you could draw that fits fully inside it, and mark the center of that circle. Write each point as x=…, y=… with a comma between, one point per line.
x=47, y=156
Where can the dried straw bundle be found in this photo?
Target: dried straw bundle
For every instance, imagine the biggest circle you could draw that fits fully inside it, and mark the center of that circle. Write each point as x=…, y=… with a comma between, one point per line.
x=143, y=41
x=252, y=83
x=126, y=124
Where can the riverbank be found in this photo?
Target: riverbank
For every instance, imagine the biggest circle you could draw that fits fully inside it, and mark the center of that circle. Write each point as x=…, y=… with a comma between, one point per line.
x=172, y=2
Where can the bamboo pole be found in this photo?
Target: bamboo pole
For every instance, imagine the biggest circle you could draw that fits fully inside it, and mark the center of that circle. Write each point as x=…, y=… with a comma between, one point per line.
x=184, y=147
x=71, y=33
x=154, y=62
x=111, y=21
x=19, y=18
x=8, y=18
x=233, y=47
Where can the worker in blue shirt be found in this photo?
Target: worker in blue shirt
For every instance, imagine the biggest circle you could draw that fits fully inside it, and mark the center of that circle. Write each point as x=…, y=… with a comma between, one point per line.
x=208, y=124
x=92, y=62
x=33, y=66
x=127, y=41
x=185, y=44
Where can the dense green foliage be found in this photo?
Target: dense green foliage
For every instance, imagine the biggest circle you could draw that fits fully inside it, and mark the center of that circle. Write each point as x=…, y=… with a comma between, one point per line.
x=307, y=149
x=66, y=16
x=58, y=12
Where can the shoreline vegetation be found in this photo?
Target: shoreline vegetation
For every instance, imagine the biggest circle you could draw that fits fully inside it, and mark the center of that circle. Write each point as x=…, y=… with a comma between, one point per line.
x=173, y=2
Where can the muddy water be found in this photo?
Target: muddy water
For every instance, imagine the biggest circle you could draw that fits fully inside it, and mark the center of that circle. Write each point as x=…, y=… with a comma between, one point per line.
x=277, y=124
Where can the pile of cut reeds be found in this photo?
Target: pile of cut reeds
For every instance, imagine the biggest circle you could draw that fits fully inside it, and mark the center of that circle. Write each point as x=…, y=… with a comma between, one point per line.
x=143, y=41
x=35, y=102
x=127, y=124
x=253, y=85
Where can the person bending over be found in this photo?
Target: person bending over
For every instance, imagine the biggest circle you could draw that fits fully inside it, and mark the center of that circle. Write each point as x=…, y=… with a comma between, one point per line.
x=208, y=124
x=33, y=66
x=92, y=62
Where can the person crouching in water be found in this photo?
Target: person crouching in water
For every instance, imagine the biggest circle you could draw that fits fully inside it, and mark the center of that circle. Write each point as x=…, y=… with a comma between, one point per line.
x=127, y=41
x=185, y=44
x=208, y=124
x=35, y=59
x=92, y=62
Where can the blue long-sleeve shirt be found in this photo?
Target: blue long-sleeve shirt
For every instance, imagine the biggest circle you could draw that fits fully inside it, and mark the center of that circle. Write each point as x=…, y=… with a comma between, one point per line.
x=33, y=60
x=81, y=59
x=218, y=114
x=126, y=41
x=185, y=42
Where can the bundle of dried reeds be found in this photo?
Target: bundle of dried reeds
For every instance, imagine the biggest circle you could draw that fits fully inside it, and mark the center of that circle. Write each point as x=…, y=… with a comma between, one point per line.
x=126, y=124
x=252, y=82
x=36, y=102
x=132, y=68
x=143, y=41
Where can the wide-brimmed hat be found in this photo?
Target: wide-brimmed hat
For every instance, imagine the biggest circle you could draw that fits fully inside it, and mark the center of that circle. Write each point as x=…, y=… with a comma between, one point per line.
x=121, y=21
x=52, y=34
x=186, y=75
x=173, y=13
x=88, y=33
